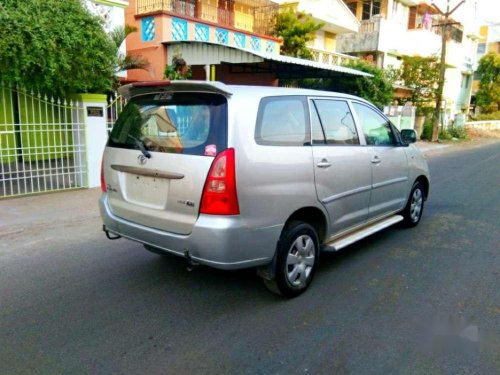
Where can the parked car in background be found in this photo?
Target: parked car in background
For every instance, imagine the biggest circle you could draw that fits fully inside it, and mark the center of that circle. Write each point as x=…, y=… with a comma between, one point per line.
x=238, y=176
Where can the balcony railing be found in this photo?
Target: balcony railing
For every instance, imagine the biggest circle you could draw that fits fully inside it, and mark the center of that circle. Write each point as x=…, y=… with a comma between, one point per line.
x=331, y=58
x=256, y=16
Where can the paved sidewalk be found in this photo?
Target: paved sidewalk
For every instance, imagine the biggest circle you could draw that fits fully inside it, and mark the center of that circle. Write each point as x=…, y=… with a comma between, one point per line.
x=425, y=146
x=54, y=215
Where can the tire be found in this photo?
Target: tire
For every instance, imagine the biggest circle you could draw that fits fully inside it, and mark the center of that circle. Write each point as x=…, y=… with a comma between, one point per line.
x=297, y=257
x=415, y=206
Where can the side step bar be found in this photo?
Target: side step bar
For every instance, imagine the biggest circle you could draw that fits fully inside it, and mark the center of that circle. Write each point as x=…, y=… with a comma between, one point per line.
x=350, y=238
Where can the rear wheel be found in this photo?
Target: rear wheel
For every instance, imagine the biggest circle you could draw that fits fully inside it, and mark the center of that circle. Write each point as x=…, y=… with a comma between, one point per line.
x=296, y=260
x=415, y=206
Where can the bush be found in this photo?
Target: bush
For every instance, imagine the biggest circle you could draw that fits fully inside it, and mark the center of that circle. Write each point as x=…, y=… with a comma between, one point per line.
x=425, y=111
x=427, y=132
x=488, y=116
x=458, y=132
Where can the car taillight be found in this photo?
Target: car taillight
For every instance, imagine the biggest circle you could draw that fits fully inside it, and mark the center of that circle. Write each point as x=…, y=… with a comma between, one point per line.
x=103, y=182
x=219, y=194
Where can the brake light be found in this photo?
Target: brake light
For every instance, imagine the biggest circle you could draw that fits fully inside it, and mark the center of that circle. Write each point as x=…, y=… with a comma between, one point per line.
x=103, y=182
x=219, y=194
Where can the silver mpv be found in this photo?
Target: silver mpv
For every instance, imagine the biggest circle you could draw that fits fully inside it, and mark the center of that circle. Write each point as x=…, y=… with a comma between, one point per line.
x=239, y=176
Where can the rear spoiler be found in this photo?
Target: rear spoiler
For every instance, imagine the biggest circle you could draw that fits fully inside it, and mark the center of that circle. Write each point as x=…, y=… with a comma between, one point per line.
x=147, y=87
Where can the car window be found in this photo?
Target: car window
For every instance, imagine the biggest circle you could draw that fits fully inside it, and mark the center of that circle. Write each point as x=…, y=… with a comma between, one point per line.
x=377, y=129
x=337, y=121
x=282, y=121
x=183, y=123
x=318, y=136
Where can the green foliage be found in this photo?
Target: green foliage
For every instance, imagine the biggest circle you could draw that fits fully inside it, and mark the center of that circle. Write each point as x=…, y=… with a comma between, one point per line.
x=422, y=75
x=458, y=132
x=127, y=62
x=427, y=131
x=488, y=95
x=377, y=89
x=54, y=46
x=178, y=70
x=296, y=29
x=488, y=116
x=425, y=111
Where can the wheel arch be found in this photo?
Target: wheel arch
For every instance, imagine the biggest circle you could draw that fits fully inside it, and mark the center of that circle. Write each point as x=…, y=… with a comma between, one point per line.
x=425, y=183
x=314, y=217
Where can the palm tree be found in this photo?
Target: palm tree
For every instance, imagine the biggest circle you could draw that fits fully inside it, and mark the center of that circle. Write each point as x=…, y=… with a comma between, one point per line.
x=126, y=61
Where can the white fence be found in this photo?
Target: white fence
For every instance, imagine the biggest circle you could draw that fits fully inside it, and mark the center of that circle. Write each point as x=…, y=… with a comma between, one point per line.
x=114, y=107
x=42, y=143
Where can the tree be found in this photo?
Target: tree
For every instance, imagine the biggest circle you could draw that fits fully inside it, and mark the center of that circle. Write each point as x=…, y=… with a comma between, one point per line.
x=422, y=75
x=126, y=62
x=54, y=46
x=296, y=29
x=377, y=89
x=488, y=95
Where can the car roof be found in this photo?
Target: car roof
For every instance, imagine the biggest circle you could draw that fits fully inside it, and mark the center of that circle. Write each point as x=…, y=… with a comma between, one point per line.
x=140, y=88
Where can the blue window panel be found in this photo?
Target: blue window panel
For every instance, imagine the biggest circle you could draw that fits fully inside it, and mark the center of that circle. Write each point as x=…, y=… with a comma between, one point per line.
x=148, y=29
x=179, y=29
x=270, y=46
x=255, y=43
x=222, y=36
x=240, y=40
x=201, y=32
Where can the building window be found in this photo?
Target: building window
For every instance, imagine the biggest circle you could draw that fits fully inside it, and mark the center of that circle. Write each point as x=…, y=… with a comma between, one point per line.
x=222, y=36
x=179, y=29
x=255, y=43
x=201, y=33
x=240, y=40
x=270, y=47
x=370, y=8
x=148, y=29
x=353, y=6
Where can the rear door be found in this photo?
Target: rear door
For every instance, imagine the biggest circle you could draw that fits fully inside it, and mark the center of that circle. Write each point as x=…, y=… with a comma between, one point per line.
x=388, y=161
x=341, y=164
x=159, y=154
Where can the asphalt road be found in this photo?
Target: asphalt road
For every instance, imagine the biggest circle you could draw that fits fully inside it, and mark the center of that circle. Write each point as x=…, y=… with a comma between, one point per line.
x=418, y=301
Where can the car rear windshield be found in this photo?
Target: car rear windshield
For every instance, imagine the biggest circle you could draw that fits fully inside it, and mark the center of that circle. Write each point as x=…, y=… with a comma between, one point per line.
x=181, y=123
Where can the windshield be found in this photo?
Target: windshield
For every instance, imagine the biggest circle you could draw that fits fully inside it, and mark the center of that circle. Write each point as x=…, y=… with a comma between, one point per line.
x=184, y=123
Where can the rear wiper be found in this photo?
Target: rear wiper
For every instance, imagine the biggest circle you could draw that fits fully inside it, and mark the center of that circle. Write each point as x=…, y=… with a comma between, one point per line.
x=141, y=146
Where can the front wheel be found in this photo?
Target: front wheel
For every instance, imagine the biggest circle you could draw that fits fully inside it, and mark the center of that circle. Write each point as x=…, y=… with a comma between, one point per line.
x=415, y=206
x=296, y=260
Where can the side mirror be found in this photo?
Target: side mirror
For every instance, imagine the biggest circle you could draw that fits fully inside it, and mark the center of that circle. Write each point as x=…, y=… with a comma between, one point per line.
x=409, y=136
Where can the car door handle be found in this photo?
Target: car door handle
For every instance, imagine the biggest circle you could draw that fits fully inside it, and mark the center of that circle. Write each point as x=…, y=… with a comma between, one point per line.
x=324, y=164
x=376, y=160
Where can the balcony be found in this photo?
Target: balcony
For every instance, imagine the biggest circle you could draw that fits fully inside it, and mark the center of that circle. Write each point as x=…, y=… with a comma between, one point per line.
x=254, y=16
x=331, y=58
x=380, y=34
x=367, y=40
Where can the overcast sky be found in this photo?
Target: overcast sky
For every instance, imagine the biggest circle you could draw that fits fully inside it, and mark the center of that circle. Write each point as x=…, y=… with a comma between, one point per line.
x=489, y=10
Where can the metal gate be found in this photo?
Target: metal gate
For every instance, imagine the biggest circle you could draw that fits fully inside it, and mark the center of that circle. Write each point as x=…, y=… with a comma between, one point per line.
x=115, y=106
x=42, y=143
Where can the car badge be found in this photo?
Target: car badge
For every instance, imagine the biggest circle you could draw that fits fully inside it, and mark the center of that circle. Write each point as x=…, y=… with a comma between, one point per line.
x=141, y=159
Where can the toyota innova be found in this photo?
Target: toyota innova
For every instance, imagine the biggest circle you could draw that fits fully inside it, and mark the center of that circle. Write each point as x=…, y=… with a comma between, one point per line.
x=238, y=176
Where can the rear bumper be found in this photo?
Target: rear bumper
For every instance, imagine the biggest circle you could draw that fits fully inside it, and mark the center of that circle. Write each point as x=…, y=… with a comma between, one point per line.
x=223, y=242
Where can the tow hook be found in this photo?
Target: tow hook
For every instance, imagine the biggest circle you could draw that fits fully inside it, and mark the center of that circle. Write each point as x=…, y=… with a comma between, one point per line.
x=109, y=235
x=191, y=264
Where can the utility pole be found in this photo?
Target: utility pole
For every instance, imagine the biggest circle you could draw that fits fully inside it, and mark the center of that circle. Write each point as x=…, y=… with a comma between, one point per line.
x=442, y=65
